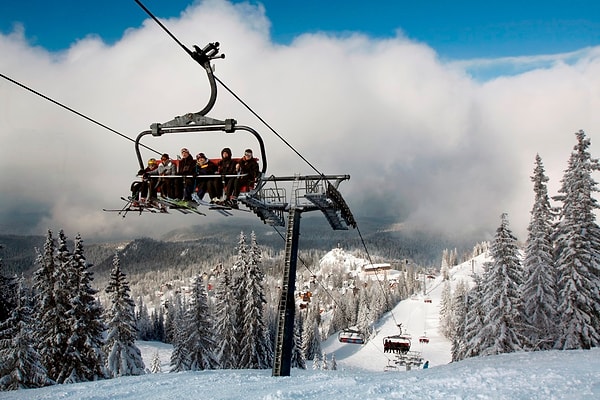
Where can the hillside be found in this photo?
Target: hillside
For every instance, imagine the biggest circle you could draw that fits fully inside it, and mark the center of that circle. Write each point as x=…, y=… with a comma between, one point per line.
x=552, y=374
x=418, y=318
x=190, y=250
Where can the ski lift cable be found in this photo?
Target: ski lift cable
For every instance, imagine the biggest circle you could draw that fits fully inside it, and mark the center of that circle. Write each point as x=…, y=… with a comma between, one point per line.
x=385, y=294
x=193, y=55
x=92, y=120
x=327, y=291
x=268, y=126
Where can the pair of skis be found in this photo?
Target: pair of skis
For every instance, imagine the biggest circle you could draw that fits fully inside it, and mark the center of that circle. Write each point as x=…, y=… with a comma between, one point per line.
x=183, y=207
x=132, y=205
x=163, y=204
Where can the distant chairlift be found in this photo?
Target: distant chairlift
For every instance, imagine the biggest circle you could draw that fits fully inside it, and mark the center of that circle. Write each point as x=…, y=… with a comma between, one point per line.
x=396, y=344
x=351, y=336
x=423, y=339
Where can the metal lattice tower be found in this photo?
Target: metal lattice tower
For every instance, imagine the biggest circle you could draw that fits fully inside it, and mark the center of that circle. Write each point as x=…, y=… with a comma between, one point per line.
x=269, y=204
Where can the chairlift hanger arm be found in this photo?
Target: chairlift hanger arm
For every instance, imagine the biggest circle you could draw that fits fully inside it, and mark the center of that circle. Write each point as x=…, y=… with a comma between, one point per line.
x=227, y=126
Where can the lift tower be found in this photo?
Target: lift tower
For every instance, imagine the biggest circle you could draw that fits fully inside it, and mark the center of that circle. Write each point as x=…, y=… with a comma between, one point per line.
x=309, y=193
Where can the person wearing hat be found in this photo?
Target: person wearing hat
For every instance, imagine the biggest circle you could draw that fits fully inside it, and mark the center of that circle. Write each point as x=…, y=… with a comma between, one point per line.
x=226, y=166
x=185, y=186
x=165, y=168
x=248, y=172
x=139, y=190
x=206, y=182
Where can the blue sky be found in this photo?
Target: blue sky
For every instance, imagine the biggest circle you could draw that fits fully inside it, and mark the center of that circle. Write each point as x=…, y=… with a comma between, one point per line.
x=462, y=29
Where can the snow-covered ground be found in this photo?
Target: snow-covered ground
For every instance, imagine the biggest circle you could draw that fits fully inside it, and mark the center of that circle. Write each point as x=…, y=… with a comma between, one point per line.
x=539, y=375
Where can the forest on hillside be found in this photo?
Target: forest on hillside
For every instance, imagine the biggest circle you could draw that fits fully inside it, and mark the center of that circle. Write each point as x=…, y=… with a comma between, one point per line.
x=184, y=252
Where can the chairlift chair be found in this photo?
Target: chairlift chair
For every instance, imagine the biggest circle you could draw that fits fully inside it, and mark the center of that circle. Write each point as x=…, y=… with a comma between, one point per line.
x=351, y=336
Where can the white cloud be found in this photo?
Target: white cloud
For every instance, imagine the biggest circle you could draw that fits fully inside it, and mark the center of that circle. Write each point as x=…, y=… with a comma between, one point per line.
x=424, y=142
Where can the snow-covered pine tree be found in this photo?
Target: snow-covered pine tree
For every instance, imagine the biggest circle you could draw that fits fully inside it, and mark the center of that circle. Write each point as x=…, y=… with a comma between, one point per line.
x=158, y=325
x=311, y=337
x=180, y=360
x=240, y=292
x=324, y=364
x=539, y=288
x=474, y=322
x=20, y=363
x=339, y=318
x=124, y=357
x=169, y=324
x=155, y=366
x=143, y=322
x=459, y=320
x=84, y=346
x=255, y=345
x=44, y=311
x=8, y=294
x=446, y=311
x=316, y=365
x=445, y=270
x=333, y=365
x=381, y=298
x=226, y=329
x=503, y=327
x=577, y=252
x=363, y=319
x=297, y=353
x=52, y=306
x=199, y=332
x=65, y=274
x=265, y=345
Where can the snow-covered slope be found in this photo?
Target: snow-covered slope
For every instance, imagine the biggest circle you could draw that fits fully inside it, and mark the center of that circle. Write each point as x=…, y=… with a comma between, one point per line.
x=418, y=318
x=539, y=375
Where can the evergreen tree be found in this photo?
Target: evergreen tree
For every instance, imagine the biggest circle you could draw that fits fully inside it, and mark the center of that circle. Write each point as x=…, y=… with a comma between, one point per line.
x=155, y=367
x=539, y=290
x=577, y=252
x=339, y=319
x=199, y=333
x=503, y=328
x=65, y=274
x=240, y=290
x=85, y=359
x=52, y=304
x=226, y=327
x=474, y=322
x=324, y=364
x=459, y=321
x=333, y=365
x=144, y=324
x=316, y=365
x=297, y=354
x=311, y=338
x=20, y=363
x=158, y=325
x=180, y=358
x=8, y=294
x=255, y=346
x=124, y=357
x=363, y=319
x=446, y=311
x=169, y=325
